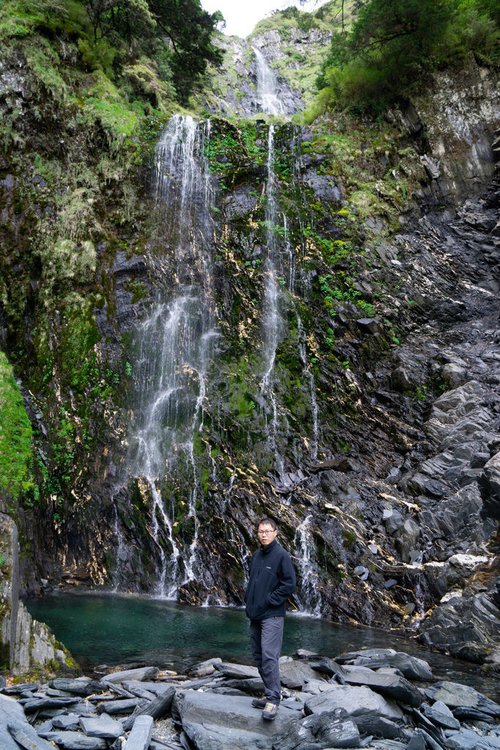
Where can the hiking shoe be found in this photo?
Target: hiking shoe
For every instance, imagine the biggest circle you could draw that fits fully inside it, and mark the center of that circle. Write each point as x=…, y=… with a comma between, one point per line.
x=259, y=703
x=270, y=711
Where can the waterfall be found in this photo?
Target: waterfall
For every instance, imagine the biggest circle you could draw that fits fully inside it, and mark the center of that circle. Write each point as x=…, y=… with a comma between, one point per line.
x=175, y=347
x=267, y=84
x=308, y=570
x=271, y=317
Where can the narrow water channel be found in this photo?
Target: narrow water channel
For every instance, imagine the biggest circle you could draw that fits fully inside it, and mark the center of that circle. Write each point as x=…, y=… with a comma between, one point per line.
x=112, y=629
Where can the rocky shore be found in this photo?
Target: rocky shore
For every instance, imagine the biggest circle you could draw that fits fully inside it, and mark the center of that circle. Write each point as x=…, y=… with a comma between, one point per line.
x=374, y=698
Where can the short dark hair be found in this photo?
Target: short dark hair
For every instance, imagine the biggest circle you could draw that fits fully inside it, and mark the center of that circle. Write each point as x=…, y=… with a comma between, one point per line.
x=270, y=521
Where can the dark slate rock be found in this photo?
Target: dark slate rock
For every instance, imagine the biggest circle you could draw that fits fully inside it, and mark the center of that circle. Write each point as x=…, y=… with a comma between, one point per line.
x=440, y=714
x=119, y=707
x=229, y=718
x=237, y=670
x=75, y=741
x=371, y=723
x=330, y=668
x=79, y=686
x=389, y=685
x=354, y=700
x=417, y=743
x=158, y=688
x=295, y=674
x=335, y=732
x=208, y=736
x=204, y=668
x=25, y=737
x=455, y=695
x=66, y=721
x=410, y=666
x=253, y=686
x=41, y=704
x=104, y=727
x=157, y=708
x=467, y=739
x=19, y=689
x=466, y=713
x=140, y=674
x=140, y=735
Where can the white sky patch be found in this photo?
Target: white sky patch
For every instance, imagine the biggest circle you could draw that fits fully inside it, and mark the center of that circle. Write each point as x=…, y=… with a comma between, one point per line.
x=242, y=15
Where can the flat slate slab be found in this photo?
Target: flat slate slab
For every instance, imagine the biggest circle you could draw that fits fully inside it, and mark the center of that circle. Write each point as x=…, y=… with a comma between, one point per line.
x=12, y=719
x=390, y=685
x=354, y=700
x=140, y=736
x=76, y=741
x=237, y=670
x=227, y=719
x=104, y=727
x=141, y=674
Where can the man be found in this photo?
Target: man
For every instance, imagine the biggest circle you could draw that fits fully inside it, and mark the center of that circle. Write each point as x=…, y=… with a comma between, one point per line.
x=272, y=581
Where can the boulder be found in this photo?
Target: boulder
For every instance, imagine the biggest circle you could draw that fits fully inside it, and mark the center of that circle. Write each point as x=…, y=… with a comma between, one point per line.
x=295, y=674
x=388, y=685
x=230, y=721
x=410, y=666
x=353, y=700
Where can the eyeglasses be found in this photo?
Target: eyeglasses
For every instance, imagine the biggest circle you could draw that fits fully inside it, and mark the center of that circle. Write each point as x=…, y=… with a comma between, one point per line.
x=265, y=531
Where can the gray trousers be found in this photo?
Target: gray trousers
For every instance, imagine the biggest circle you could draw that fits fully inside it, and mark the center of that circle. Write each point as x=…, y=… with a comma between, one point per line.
x=267, y=638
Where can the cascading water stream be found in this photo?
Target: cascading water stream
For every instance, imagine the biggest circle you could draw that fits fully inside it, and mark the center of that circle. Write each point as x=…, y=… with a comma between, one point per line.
x=271, y=315
x=175, y=345
x=267, y=85
x=311, y=598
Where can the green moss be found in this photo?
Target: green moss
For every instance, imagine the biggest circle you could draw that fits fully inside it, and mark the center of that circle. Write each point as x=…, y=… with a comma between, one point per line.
x=15, y=434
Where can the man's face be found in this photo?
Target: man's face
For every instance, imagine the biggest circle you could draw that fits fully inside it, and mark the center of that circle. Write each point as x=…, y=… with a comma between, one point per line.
x=266, y=534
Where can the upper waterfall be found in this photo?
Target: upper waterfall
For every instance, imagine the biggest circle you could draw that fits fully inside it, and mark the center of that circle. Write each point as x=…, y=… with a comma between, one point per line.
x=267, y=88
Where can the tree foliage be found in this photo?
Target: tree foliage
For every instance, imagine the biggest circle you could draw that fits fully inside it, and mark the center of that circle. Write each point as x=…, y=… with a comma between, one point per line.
x=394, y=45
x=177, y=30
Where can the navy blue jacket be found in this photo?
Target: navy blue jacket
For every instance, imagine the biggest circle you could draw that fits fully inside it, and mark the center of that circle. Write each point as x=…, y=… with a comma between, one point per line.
x=272, y=581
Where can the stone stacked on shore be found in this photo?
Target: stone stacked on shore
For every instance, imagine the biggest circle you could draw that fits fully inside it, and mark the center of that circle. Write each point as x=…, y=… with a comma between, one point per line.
x=376, y=698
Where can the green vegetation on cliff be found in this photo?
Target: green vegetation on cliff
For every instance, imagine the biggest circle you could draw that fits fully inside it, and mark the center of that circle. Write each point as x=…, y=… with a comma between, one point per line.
x=391, y=49
x=15, y=434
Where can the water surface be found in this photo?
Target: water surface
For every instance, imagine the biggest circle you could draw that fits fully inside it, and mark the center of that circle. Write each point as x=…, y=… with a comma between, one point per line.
x=118, y=630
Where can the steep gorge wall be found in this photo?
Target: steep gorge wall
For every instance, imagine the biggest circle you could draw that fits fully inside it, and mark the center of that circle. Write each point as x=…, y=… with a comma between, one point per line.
x=369, y=341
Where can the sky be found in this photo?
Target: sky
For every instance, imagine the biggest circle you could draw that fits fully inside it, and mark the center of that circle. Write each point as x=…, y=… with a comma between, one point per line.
x=242, y=15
